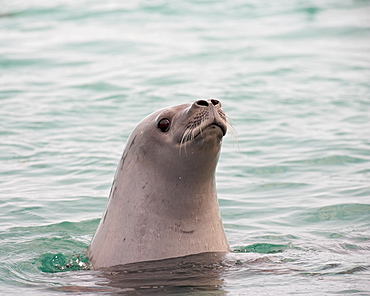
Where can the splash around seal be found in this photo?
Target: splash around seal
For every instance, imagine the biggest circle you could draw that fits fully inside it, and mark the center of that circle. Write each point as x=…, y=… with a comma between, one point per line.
x=163, y=200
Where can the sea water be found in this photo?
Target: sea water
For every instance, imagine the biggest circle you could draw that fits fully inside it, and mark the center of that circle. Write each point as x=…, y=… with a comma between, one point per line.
x=293, y=178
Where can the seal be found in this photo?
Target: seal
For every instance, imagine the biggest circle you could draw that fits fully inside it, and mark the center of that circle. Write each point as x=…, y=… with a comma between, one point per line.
x=163, y=201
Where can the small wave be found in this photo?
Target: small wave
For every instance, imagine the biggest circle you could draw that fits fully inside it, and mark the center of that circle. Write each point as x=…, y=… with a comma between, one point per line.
x=58, y=262
x=262, y=248
x=340, y=212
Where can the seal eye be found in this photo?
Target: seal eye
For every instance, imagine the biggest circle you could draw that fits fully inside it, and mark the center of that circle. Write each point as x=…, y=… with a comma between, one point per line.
x=164, y=125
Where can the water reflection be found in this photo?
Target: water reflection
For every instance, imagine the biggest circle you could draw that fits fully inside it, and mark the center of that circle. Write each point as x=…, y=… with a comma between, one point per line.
x=199, y=273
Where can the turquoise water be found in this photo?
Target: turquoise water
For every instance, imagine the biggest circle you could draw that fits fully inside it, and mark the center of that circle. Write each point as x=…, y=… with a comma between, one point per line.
x=293, y=181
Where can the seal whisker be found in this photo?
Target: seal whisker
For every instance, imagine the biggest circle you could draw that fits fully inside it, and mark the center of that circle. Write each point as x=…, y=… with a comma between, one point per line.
x=232, y=130
x=185, y=137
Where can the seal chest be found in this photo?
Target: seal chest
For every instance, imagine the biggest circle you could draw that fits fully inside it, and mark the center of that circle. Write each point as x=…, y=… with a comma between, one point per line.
x=163, y=200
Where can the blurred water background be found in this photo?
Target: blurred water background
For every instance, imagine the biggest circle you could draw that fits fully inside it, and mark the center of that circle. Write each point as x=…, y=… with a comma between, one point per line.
x=294, y=187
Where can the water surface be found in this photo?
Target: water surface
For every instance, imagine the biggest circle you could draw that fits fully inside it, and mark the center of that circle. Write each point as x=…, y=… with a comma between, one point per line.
x=294, y=188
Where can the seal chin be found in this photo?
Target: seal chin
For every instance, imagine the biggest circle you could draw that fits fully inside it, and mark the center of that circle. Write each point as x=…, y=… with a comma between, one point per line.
x=210, y=131
x=217, y=126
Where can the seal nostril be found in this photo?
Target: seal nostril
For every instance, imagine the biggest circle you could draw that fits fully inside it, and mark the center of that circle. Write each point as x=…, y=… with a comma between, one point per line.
x=215, y=102
x=202, y=103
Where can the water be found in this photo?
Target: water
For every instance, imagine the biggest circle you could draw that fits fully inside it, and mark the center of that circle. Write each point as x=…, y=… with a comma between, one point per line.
x=294, y=188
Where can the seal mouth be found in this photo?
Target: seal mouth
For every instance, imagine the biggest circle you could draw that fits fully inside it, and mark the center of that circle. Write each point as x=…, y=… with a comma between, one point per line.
x=192, y=132
x=212, y=125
